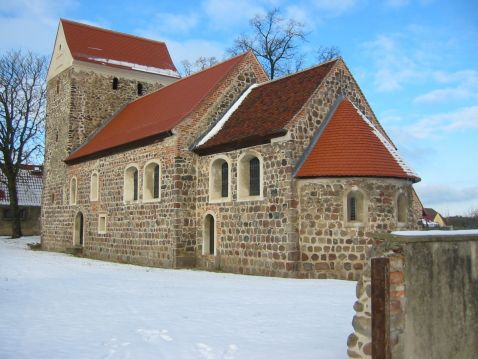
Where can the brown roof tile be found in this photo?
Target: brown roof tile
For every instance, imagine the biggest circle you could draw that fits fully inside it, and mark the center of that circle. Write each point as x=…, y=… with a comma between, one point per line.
x=267, y=109
x=93, y=44
x=349, y=146
x=158, y=112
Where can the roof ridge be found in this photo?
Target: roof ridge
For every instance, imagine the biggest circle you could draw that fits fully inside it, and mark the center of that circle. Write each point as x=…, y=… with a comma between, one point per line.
x=112, y=31
x=185, y=78
x=298, y=72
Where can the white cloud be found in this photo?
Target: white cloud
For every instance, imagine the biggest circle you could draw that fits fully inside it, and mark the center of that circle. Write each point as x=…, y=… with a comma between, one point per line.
x=31, y=24
x=447, y=199
x=335, y=7
x=225, y=13
x=466, y=87
x=441, y=124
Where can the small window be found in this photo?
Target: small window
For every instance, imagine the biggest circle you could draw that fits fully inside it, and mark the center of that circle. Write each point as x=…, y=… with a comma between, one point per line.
x=402, y=208
x=249, y=177
x=152, y=181
x=57, y=86
x=224, y=179
x=56, y=136
x=102, y=223
x=355, y=207
x=94, y=184
x=254, y=177
x=140, y=89
x=219, y=184
x=131, y=184
x=73, y=190
x=52, y=198
x=115, y=83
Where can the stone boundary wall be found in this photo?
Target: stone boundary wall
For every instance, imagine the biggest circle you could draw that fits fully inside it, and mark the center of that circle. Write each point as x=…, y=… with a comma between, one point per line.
x=432, y=299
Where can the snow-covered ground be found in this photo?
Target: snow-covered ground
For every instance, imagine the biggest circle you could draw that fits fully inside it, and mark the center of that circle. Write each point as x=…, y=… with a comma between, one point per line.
x=57, y=306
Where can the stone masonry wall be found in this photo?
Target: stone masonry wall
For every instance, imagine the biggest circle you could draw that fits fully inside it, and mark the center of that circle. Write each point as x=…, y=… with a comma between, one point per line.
x=329, y=246
x=77, y=103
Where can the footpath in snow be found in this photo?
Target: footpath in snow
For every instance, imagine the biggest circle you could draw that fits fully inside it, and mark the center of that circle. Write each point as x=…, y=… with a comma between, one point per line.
x=58, y=306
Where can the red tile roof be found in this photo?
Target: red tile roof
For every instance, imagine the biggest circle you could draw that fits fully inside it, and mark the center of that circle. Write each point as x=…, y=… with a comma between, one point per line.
x=93, y=44
x=158, y=112
x=266, y=110
x=349, y=145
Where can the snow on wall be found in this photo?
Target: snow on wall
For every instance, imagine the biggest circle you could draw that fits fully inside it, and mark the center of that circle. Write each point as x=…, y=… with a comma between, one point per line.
x=138, y=67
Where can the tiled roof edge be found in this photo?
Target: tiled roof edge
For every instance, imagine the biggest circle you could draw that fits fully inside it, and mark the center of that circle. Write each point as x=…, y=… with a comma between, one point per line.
x=317, y=134
x=388, y=145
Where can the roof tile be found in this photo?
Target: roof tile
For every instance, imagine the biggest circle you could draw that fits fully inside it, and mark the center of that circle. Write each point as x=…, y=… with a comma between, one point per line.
x=158, y=112
x=93, y=44
x=268, y=108
x=349, y=145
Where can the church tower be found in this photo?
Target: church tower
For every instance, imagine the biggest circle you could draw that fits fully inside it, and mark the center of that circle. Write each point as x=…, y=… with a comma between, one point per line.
x=93, y=73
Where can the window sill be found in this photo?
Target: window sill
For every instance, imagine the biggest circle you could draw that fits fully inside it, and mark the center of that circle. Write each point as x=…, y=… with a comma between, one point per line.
x=250, y=199
x=153, y=200
x=220, y=200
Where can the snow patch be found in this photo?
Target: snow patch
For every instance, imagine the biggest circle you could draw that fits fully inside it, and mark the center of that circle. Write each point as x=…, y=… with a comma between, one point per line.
x=57, y=306
x=138, y=67
x=220, y=124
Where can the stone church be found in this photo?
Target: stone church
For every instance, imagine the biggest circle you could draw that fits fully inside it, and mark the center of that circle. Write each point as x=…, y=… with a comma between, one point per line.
x=221, y=170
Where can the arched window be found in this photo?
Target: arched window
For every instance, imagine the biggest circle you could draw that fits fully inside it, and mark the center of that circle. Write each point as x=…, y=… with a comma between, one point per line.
x=140, y=89
x=94, y=184
x=131, y=184
x=115, y=83
x=209, y=235
x=402, y=208
x=152, y=181
x=249, y=177
x=355, y=207
x=73, y=190
x=219, y=180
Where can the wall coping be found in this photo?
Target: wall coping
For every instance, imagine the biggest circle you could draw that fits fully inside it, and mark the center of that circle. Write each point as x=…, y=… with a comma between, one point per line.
x=432, y=236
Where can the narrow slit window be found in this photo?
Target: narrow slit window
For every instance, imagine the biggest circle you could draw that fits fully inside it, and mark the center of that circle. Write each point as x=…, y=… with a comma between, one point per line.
x=156, y=182
x=135, y=185
x=254, y=177
x=140, y=89
x=353, y=209
x=224, y=179
x=115, y=83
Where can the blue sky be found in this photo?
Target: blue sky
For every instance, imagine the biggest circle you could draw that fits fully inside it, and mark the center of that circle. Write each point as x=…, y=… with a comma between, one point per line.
x=416, y=61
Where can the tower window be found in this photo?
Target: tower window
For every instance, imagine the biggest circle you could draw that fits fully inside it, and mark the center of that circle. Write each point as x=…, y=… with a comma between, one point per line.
x=140, y=89
x=57, y=86
x=115, y=83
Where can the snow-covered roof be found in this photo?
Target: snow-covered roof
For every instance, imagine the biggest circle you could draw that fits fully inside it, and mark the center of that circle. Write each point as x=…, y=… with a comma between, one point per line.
x=435, y=233
x=29, y=187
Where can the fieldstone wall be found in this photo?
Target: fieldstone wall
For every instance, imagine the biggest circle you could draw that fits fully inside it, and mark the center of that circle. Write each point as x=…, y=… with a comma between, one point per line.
x=329, y=246
x=73, y=113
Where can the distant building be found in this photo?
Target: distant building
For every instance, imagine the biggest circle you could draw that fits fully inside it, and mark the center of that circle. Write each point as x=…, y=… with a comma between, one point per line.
x=29, y=188
x=432, y=218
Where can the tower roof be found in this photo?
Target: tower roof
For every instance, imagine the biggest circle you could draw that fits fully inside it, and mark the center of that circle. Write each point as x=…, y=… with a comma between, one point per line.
x=347, y=144
x=106, y=47
x=157, y=113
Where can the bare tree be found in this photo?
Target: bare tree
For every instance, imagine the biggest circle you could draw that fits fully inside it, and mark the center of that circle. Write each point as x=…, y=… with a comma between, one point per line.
x=201, y=63
x=22, y=112
x=274, y=41
x=327, y=53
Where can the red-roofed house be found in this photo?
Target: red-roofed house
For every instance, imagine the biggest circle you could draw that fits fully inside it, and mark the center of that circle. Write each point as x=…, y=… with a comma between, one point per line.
x=222, y=169
x=29, y=191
